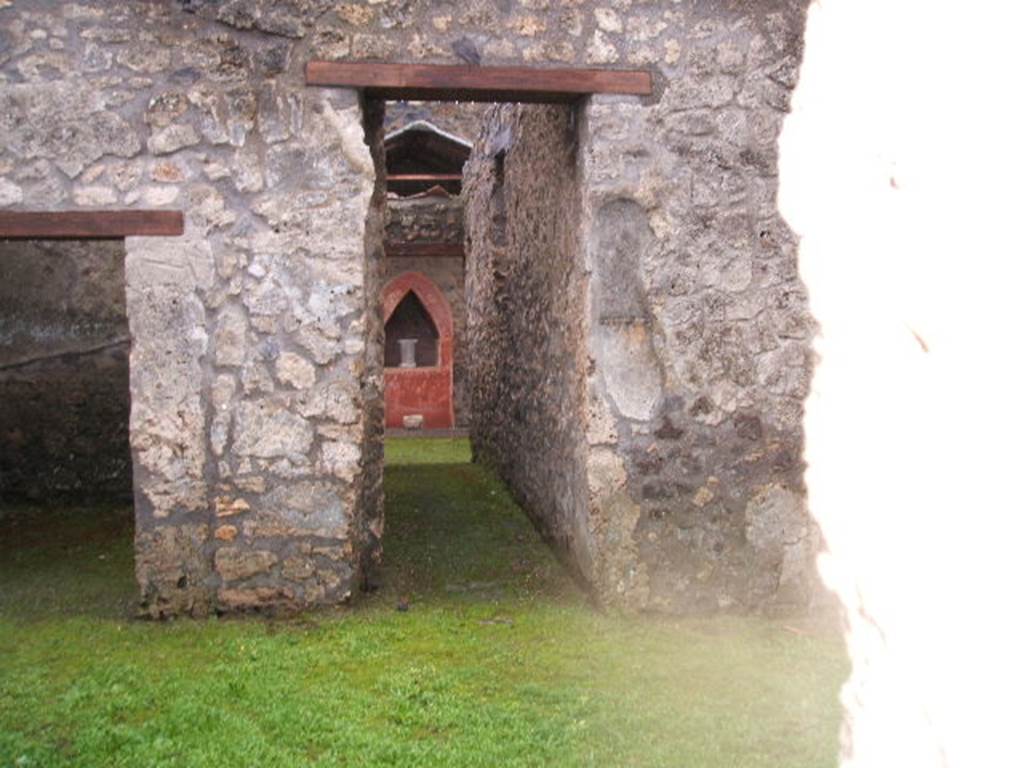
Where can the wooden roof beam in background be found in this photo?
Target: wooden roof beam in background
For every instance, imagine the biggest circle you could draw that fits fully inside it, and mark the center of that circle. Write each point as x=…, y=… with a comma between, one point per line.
x=424, y=177
x=90, y=225
x=435, y=82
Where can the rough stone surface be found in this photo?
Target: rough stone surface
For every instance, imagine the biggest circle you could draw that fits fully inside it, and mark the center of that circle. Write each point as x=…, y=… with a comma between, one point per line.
x=693, y=328
x=241, y=564
x=525, y=297
x=681, y=263
x=249, y=334
x=266, y=429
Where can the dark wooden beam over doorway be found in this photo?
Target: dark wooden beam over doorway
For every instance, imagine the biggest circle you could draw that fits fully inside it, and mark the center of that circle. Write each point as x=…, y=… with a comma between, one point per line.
x=90, y=225
x=434, y=82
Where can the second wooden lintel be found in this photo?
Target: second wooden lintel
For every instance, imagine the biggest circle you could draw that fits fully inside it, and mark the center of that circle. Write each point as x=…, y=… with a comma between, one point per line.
x=434, y=82
x=90, y=224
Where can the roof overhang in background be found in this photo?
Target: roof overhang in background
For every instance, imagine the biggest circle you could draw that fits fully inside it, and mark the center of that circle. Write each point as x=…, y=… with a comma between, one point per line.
x=420, y=156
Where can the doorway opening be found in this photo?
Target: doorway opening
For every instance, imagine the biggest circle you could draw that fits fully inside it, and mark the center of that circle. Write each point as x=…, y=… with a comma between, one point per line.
x=480, y=212
x=65, y=457
x=418, y=343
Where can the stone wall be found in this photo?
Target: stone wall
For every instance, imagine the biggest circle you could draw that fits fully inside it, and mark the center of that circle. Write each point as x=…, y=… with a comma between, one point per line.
x=252, y=369
x=700, y=338
x=63, y=371
x=255, y=367
x=696, y=331
x=438, y=220
x=526, y=297
x=429, y=218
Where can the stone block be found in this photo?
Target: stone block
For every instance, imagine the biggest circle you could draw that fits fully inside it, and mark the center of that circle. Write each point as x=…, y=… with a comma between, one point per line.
x=255, y=598
x=236, y=563
x=299, y=509
x=295, y=370
x=266, y=429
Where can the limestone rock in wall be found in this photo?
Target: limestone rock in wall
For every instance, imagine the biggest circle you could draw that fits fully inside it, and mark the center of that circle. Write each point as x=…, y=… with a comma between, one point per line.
x=266, y=429
x=300, y=509
x=237, y=564
x=167, y=421
x=65, y=122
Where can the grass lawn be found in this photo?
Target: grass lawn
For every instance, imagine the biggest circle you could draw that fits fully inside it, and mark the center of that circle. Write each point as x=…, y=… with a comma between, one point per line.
x=499, y=660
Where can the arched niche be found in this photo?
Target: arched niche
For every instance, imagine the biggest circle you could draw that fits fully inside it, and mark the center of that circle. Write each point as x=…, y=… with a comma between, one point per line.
x=411, y=323
x=422, y=395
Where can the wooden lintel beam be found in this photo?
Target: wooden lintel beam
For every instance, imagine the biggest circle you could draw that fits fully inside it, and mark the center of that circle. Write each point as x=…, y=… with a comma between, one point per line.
x=424, y=177
x=422, y=249
x=434, y=82
x=90, y=225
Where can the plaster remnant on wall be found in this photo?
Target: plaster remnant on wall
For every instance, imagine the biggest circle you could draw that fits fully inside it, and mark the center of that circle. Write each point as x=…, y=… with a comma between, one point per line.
x=629, y=368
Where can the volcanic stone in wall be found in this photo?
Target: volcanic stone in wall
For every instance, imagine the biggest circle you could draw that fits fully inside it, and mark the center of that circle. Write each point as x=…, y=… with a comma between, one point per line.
x=665, y=386
x=525, y=293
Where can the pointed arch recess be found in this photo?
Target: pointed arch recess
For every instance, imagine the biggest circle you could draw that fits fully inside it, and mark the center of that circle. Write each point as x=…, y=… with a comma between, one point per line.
x=426, y=392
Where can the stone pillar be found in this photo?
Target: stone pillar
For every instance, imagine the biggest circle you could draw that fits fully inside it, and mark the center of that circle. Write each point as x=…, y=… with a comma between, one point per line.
x=250, y=407
x=165, y=280
x=900, y=171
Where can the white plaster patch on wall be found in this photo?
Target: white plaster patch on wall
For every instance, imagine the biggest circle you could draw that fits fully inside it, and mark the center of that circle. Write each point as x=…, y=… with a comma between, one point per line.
x=629, y=369
x=349, y=125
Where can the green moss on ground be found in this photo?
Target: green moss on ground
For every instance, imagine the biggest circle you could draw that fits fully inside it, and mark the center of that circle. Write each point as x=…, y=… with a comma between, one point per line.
x=499, y=661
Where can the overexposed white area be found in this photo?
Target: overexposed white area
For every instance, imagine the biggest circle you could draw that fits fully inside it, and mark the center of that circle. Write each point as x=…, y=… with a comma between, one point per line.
x=902, y=169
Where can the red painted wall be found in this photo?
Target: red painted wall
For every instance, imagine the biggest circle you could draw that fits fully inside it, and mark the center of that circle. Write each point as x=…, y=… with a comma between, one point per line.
x=424, y=391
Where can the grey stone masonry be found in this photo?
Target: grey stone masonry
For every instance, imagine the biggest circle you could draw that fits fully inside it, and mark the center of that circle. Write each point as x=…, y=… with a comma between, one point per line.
x=250, y=333
x=525, y=293
x=675, y=373
x=680, y=342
